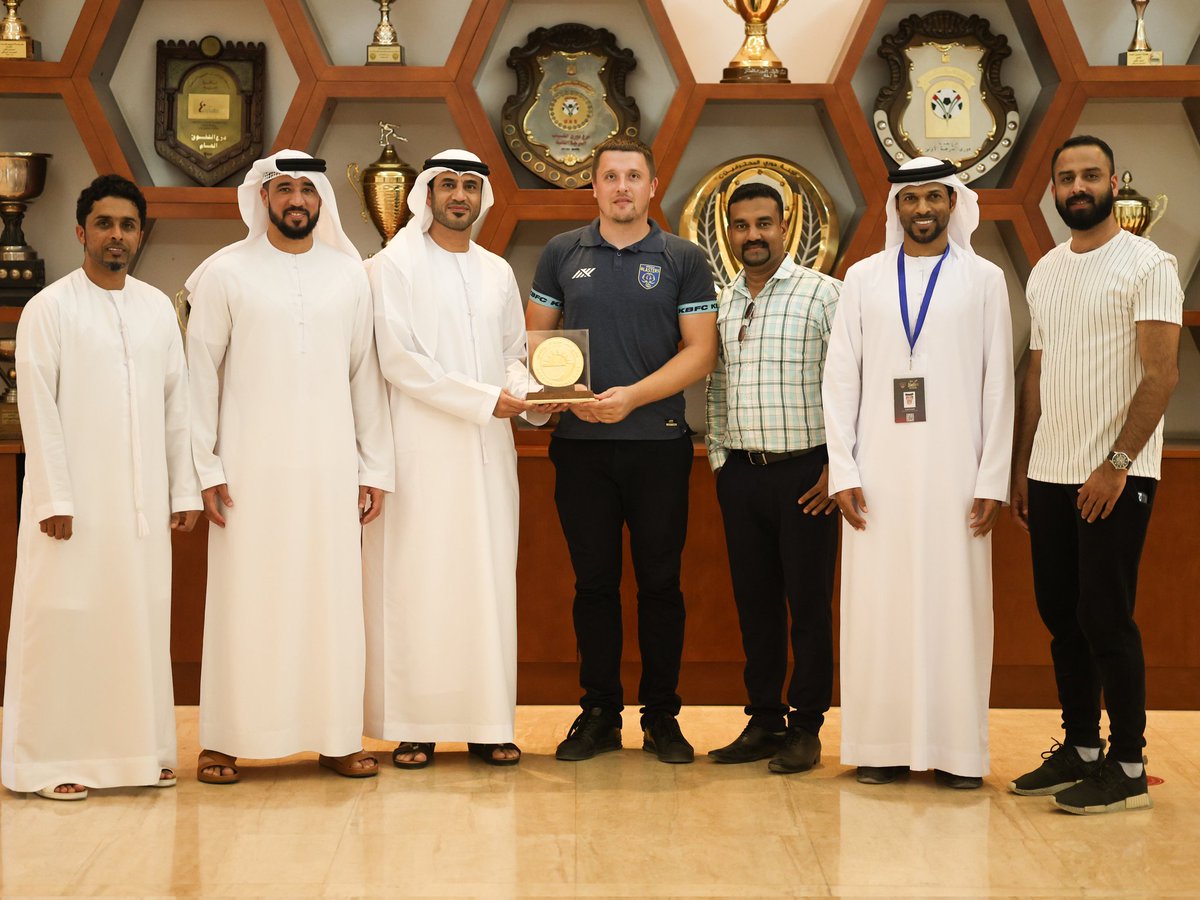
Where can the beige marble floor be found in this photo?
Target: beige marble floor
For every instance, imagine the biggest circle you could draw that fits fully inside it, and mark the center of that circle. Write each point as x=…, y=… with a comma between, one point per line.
x=622, y=825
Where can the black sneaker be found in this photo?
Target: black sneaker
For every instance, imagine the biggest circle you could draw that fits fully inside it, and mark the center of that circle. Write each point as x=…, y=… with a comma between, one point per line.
x=1107, y=790
x=593, y=731
x=1062, y=768
x=662, y=737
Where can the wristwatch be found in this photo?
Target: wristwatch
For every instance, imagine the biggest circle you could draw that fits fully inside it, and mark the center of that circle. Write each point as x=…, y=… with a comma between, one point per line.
x=1119, y=461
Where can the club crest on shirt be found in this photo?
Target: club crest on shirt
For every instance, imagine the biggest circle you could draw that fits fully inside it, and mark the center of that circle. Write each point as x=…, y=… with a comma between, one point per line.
x=649, y=275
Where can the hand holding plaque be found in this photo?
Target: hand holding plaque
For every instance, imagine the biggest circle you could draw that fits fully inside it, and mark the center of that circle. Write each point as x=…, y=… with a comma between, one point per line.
x=561, y=363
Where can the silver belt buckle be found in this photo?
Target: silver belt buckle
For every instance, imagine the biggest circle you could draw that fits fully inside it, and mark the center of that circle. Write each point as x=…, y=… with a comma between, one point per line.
x=757, y=457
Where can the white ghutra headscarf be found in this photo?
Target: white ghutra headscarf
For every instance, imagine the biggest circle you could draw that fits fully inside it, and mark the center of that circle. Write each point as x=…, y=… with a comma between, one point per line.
x=964, y=218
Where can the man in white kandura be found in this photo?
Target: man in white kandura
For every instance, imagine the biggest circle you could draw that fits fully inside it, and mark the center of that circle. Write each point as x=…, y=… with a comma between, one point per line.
x=918, y=395
x=441, y=563
x=290, y=427
x=108, y=475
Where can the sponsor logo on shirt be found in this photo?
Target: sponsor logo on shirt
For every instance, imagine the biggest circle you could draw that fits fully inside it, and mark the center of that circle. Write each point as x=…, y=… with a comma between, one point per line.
x=583, y=273
x=649, y=275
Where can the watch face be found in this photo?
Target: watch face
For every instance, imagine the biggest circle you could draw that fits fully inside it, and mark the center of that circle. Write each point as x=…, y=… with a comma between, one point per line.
x=1119, y=460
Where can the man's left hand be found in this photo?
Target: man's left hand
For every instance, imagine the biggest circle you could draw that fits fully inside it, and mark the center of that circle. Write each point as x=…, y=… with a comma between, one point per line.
x=184, y=521
x=816, y=499
x=370, y=504
x=613, y=405
x=1100, y=493
x=984, y=514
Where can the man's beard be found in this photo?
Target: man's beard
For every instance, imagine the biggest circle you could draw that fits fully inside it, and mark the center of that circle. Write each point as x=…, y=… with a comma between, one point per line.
x=293, y=232
x=1087, y=217
x=443, y=218
x=939, y=227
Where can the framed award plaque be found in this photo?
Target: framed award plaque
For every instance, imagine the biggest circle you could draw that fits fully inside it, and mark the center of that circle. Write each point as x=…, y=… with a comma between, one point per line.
x=208, y=112
x=570, y=97
x=812, y=225
x=561, y=363
x=945, y=98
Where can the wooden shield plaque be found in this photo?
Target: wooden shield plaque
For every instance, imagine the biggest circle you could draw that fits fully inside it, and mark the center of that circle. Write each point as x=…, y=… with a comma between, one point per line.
x=570, y=97
x=208, y=114
x=945, y=98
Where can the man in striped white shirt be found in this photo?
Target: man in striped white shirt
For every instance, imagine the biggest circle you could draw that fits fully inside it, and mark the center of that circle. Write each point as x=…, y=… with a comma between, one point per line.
x=1106, y=310
x=766, y=444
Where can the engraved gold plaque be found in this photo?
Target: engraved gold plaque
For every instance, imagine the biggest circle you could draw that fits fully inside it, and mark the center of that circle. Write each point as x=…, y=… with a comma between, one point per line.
x=812, y=226
x=559, y=366
x=209, y=107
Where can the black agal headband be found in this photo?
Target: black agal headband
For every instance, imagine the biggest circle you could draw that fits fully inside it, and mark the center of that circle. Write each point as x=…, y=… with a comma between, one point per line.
x=300, y=164
x=920, y=176
x=457, y=165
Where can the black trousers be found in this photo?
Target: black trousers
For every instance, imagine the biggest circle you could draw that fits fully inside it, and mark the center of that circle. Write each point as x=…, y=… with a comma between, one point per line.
x=782, y=561
x=600, y=487
x=1085, y=579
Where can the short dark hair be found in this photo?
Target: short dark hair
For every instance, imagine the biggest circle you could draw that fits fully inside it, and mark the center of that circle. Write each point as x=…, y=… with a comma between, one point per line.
x=623, y=144
x=109, y=186
x=753, y=190
x=1084, y=140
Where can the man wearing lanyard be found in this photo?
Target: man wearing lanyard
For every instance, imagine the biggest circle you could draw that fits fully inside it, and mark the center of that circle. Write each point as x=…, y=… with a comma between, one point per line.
x=918, y=394
x=766, y=444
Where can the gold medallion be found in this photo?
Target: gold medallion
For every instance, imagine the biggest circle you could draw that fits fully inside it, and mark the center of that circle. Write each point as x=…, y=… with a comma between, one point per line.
x=557, y=362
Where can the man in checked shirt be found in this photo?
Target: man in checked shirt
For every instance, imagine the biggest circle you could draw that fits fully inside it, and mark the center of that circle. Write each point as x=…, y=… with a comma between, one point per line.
x=766, y=444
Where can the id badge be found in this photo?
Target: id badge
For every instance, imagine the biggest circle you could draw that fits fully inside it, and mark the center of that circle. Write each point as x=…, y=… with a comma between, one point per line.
x=909, y=395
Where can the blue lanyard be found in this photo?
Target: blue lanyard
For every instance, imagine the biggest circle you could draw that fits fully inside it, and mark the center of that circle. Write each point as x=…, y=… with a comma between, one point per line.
x=908, y=330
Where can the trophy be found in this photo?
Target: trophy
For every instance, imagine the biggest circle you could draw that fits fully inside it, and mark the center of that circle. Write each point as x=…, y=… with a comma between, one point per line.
x=15, y=42
x=756, y=61
x=384, y=185
x=1139, y=52
x=22, y=179
x=10, y=419
x=560, y=361
x=1133, y=211
x=385, y=48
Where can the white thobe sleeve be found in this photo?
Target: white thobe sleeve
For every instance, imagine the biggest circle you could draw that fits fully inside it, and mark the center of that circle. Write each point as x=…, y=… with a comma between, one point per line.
x=409, y=366
x=517, y=380
x=996, y=408
x=368, y=397
x=181, y=468
x=209, y=327
x=47, y=480
x=841, y=388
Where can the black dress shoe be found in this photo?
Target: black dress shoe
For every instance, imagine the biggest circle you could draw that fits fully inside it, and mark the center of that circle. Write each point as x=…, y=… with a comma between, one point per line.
x=662, y=737
x=958, y=782
x=879, y=774
x=801, y=751
x=752, y=744
x=593, y=731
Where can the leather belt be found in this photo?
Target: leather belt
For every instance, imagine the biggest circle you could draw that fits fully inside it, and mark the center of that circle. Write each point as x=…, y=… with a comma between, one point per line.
x=762, y=458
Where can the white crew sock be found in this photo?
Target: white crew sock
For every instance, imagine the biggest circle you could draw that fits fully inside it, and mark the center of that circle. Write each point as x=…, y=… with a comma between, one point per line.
x=1132, y=770
x=1088, y=754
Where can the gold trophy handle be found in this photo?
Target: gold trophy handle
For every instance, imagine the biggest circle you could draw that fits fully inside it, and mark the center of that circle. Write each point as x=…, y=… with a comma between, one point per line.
x=354, y=176
x=1159, y=206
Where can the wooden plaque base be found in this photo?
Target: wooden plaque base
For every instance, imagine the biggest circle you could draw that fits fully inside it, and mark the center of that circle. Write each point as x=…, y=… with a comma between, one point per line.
x=560, y=395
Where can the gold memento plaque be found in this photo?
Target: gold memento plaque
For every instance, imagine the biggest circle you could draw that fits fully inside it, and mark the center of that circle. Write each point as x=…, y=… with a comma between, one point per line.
x=812, y=226
x=570, y=97
x=945, y=98
x=559, y=366
x=385, y=47
x=209, y=107
x=15, y=42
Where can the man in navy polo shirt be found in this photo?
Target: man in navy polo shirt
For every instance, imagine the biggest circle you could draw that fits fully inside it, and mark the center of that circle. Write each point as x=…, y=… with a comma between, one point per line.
x=647, y=300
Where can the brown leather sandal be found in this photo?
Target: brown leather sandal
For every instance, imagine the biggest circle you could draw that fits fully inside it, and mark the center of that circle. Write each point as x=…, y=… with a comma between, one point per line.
x=343, y=765
x=211, y=758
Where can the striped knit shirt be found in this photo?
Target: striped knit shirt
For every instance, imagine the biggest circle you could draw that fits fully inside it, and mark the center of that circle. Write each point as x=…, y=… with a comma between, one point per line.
x=1083, y=309
x=766, y=391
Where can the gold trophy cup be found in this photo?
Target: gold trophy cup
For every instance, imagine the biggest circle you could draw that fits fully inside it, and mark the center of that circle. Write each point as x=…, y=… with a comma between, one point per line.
x=22, y=180
x=1139, y=52
x=15, y=42
x=1134, y=211
x=385, y=48
x=383, y=186
x=756, y=61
